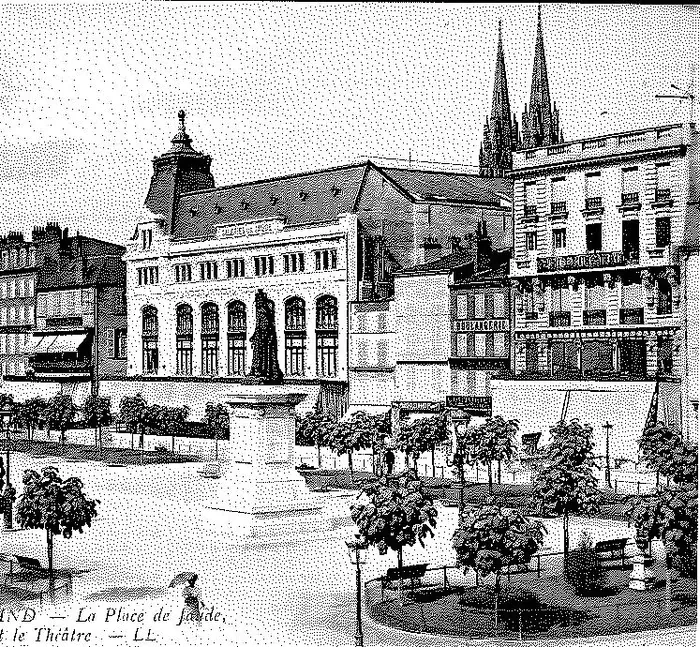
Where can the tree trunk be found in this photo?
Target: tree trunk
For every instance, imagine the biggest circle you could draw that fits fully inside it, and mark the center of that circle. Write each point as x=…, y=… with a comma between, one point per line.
x=172, y=444
x=566, y=543
x=99, y=439
x=490, y=478
x=408, y=459
x=374, y=461
x=49, y=548
x=498, y=591
x=216, y=449
x=350, y=465
x=399, y=555
x=499, y=472
x=460, y=471
x=318, y=450
x=432, y=458
x=29, y=438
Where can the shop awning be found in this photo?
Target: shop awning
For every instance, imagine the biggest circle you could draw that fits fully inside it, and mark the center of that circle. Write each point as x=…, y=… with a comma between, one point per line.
x=66, y=343
x=42, y=343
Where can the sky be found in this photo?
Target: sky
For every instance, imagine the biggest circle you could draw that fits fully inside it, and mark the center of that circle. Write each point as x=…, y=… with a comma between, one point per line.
x=89, y=93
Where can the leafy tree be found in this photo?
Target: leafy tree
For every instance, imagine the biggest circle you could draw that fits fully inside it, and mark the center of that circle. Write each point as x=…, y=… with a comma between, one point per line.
x=398, y=512
x=131, y=411
x=565, y=484
x=312, y=429
x=657, y=447
x=6, y=400
x=670, y=513
x=420, y=436
x=372, y=428
x=494, y=441
x=98, y=414
x=348, y=436
x=492, y=538
x=217, y=421
x=21, y=418
x=55, y=505
x=59, y=414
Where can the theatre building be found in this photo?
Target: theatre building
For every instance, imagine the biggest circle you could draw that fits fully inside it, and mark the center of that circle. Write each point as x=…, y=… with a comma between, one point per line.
x=598, y=328
x=314, y=242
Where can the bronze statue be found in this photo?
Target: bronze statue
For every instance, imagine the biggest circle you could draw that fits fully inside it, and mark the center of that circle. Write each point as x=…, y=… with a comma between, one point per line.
x=265, y=368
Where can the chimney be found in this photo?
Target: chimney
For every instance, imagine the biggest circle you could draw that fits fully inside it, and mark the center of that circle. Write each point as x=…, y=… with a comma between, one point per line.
x=456, y=245
x=483, y=248
x=431, y=249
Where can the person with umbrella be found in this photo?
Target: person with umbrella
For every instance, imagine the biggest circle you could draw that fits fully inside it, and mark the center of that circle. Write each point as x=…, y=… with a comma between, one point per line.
x=192, y=611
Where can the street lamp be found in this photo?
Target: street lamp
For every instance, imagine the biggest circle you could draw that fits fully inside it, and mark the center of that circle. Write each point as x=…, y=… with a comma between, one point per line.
x=607, y=426
x=455, y=456
x=358, y=556
x=8, y=494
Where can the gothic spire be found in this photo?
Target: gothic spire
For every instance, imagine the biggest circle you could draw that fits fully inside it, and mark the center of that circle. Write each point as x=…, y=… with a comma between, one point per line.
x=499, y=134
x=540, y=120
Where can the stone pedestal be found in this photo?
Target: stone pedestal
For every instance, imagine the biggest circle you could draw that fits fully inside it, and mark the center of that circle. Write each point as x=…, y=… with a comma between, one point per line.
x=641, y=577
x=260, y=492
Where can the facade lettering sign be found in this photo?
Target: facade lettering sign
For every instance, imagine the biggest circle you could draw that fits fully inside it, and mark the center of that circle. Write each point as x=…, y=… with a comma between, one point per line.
x=481, y=324
x=418, y=406
x=580, y=261
x=250, y=228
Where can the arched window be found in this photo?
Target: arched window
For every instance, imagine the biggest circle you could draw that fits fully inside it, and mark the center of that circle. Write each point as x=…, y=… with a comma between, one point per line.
x=664, y=294
x=183, y=339
x=294, y=336
x=327, y=336
x=237, y=325
x=210, y=339
x=149, y=334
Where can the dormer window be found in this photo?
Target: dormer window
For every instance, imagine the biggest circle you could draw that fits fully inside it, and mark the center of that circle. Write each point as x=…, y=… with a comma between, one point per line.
x=217, y=208
x=273, y=199
x=146, y=238
x=335, y=191
x=303, y=195
x=245, y=205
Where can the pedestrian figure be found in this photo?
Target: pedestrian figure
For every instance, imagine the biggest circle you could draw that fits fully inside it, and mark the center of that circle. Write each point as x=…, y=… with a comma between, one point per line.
x=389, y=458
x=193, y=601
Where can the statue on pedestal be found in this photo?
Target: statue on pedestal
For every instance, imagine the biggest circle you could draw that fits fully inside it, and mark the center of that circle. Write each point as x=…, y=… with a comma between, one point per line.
x=265, y=367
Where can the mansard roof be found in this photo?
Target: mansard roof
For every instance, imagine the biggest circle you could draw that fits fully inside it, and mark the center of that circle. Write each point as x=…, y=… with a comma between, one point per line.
x=321, y=196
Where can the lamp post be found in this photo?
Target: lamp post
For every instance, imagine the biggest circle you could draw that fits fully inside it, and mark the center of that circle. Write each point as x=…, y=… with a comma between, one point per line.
x=455, y=456
x=8, y=494
x=607, y=426
x=358, y=556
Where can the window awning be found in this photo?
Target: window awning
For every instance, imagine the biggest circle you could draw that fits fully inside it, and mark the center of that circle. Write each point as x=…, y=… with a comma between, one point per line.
x=43, y=344
x=66, y=343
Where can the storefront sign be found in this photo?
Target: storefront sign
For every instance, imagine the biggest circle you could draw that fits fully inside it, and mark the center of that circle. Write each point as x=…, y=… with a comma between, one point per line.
x=474, y=404
x=250, y=228
x=424, y=406
x=481, y=324
x=580, y=261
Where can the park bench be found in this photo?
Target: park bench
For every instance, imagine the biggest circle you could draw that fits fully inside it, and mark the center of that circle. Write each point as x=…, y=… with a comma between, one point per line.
x=414, y=573
x=610, y=550
x=210, y=471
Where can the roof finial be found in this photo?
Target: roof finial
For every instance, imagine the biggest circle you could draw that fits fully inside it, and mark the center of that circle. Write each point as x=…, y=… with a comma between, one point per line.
x=499, y=29
x=181, y=141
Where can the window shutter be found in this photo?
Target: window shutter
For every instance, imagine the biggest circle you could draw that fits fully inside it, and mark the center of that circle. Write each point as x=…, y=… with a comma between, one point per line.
x=110, y=343
x=488, y=306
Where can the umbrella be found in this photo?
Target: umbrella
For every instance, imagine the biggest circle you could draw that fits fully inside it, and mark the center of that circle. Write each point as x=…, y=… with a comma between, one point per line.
x=182, y=578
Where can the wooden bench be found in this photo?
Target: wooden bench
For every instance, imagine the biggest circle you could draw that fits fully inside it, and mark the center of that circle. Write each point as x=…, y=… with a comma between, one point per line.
x=610, y=550
x=414, y=573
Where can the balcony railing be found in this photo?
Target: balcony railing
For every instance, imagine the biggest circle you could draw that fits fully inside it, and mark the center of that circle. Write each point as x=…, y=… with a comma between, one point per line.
x=594, y=203
x=530, y=209
x=556, y=150
x=580, y=261
x=559, y=207
x=594, y=317
x=663, y=195
x=630, y=198
x=560, y=319
x=632, y=315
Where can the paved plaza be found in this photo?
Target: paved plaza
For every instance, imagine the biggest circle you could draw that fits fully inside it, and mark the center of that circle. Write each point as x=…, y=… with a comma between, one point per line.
x=296, y=592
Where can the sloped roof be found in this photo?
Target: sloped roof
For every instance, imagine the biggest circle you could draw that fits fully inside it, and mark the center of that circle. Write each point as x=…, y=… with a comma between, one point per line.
x=453, y=187
x=321, y=196
x=442, y=265
x=303, y=199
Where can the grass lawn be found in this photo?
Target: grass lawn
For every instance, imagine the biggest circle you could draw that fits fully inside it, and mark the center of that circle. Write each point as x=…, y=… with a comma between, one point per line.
x=545, y=607
x=109, y=455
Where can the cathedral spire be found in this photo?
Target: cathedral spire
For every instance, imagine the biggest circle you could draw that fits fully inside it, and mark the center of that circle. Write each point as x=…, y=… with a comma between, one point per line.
x=540, y=120
x=499, y=134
